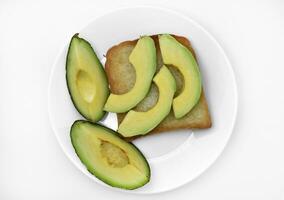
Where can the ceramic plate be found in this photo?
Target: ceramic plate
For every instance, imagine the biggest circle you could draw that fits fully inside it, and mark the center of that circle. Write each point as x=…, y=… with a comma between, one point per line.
x=176, y=157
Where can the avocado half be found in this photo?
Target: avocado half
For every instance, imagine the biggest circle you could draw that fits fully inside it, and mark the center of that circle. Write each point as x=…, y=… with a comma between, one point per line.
x=174, y=53
x=86, y=79
x=139, y=123
x=107, y=156
x=143, y=59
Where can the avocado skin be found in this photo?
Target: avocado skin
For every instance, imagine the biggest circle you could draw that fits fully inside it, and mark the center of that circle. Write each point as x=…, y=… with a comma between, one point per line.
x=99, y=176
x=76, y=35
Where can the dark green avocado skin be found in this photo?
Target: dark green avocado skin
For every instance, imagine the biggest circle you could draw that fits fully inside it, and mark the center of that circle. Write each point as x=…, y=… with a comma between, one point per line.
x=76, y=36
x=99, y=176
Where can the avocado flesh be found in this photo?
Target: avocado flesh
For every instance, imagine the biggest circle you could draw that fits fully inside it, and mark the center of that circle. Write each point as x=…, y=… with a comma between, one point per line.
x=86, y=79
x=143, y=59
x=108, y=157
x=174, y=53
x=139, y=123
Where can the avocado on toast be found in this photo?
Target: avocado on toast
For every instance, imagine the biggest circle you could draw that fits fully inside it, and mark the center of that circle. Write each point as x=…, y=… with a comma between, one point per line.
x=121, y=76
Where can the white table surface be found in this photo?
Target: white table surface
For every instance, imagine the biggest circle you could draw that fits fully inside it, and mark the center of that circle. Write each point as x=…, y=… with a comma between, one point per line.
x=32, y=165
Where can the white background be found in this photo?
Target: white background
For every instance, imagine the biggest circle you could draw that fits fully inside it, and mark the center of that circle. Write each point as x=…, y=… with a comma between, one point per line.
x=32, y=165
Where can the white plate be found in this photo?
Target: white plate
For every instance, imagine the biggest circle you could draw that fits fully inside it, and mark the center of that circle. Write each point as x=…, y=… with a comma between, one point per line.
x=176, y=157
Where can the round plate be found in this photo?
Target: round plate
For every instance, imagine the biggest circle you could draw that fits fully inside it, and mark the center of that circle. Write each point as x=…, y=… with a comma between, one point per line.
x=175, y=157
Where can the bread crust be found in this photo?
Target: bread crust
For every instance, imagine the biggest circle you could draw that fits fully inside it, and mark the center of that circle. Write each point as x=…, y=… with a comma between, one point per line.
x=121, y=77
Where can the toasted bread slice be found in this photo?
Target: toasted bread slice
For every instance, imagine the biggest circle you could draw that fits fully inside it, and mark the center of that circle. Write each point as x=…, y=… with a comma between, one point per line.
x=121, y=76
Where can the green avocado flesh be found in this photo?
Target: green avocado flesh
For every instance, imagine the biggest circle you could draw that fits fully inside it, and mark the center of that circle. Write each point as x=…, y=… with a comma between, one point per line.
x=143, y=59
x=86, y=79
x=108, y=157
x=139, y=123
x=174, y=53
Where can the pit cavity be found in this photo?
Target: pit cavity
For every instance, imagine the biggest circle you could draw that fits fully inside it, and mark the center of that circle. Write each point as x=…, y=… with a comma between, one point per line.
x=85, y=85
x=115, y=156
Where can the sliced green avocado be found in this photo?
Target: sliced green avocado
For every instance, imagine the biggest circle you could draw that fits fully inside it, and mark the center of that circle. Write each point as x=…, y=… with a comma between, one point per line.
x=143, y=59
x=139, y=123
x=86, y=79
x=108, y=157
x=174, y=53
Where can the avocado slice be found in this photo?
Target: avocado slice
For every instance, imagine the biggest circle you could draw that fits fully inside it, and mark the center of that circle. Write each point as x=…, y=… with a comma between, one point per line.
x=108, y=157
x=86, y=79
x=143, y=59
x=174, y=53
x=139, y=123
